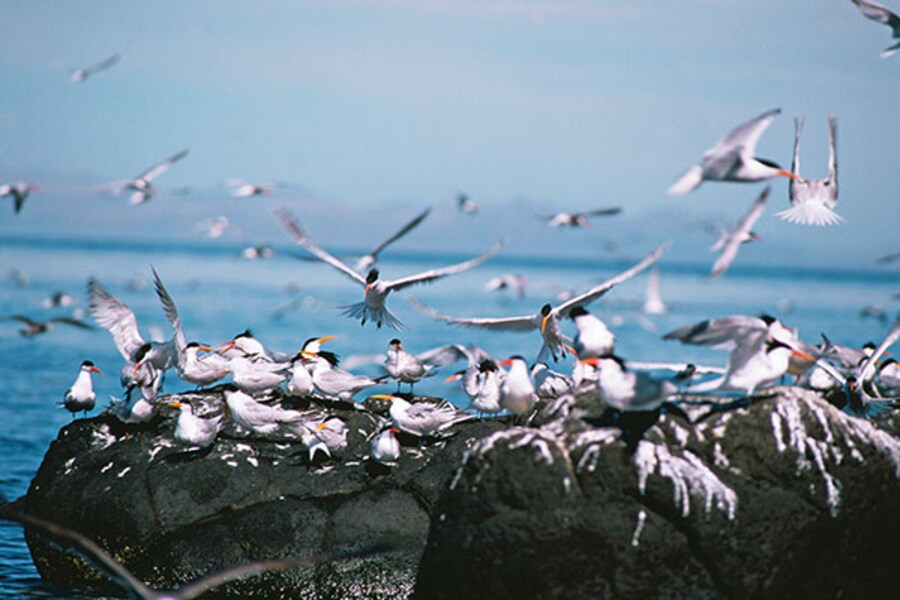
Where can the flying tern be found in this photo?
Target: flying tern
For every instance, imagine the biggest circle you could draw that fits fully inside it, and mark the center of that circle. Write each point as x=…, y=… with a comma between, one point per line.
x=376, y=290
x=510, y=281
x=465, y=204
x=59, y=299
x=547, y=319
x=33, y=327
x=881, y=14
x=19, y=193
x=81, y=397
x=578, y=219
x=730, y=241
x=653, y=302
x=141, y=187
x=241, y=188
x=83, y=73
x=731, y=159
x=813, y=200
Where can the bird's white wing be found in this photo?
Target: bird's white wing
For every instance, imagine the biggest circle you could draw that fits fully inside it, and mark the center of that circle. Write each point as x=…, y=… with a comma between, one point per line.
x=159, y=169
x=795, y=163
x=433, y=274
x=171, y=312
x=597, y=291
x=878, y=12
x=293, y=228
x=114, y=315
x=736, y=237
x=743, y=136
x=756, y=210
x=832, y=155
x=713, y=332
x=524, y=323
x=403, y=231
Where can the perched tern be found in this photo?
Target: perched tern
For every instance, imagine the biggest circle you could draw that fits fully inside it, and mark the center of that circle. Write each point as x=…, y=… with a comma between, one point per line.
x=81, y=397
x=244, y=344
x=423, y=419
x=385, y=448
x=517, y=394
x=193, y=430
x=34, y=327
x=255, y=417
x=550, y=384
x=593, y=338
x=19, y=193
x=813, y=200
x=628, y=391
x=134, y=410
x=761, y=349
x=881, y=14
x=256, y=376
x=547, y=319
x=465, y=204
x=403, y=366
x=578, y=219
x=141, y=186
x=300, y=381
x=328, y=436
x=82, y=74
x=510, y=281
x=337, y=383
x=376, y=290
x=731, y=241
x=364, y=263
x=731, y=159
x=202, y=369
x=481, y=381
x=653, y=302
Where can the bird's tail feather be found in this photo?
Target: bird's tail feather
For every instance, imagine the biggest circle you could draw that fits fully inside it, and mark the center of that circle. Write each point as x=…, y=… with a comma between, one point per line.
x=687, y=182
x=362, y=311
x=810, y=213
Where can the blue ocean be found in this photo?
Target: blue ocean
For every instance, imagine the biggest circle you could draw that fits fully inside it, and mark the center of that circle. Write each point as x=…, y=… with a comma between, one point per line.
x=285, y=300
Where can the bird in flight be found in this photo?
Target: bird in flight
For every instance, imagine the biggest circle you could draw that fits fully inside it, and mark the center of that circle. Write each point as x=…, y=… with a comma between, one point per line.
x=813, y=200
x=578, y=219
x=82, y=74
x=881, y=14
x=731, y=241
x=142, y=187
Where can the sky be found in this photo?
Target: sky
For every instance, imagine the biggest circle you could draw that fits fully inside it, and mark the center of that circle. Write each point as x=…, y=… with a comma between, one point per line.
x=370, y=111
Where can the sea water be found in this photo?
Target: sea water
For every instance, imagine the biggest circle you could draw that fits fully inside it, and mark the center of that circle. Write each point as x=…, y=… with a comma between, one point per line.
x=285, y=300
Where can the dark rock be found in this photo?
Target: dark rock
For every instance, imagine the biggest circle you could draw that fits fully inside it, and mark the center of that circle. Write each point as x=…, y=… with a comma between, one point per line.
x=785, y=498
x=172, y=515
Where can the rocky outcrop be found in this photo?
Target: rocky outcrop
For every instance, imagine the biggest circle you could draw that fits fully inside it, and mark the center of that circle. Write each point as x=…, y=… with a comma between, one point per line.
x=785, y=498
x=782, y=497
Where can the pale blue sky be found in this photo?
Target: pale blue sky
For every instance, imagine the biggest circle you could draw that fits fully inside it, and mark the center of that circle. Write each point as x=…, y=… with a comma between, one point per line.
x=379, y=108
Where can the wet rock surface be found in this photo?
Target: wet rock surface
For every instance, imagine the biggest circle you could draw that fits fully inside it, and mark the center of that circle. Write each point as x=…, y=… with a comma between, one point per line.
x=784, y=497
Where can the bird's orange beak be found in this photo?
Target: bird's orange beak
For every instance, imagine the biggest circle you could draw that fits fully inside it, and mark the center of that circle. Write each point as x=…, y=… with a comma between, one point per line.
x=96, y=370
x=571, y=350
x=544, y=324
x=322, y=340
x=803, y=355
x=590, y=360
x=787, y=173
x=454, y=377
x=321, y=426
x=368, y=287
x=506, y=363
x=175, y=404
x=228, y=345
x=205, y=348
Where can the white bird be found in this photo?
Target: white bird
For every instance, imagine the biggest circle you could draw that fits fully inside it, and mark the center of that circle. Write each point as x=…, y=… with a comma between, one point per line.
x=59, y=299
x=256, y=376
x=465, y=204
x=593, y=338
x=142, y=187
x=135, y=409
x=300, y=381
x=550, y=384
x=508, y=281
x=653, y=302
x=364, y=263
x=255, y=417
x=403, y=366
x=81, y=397
x=244, y=344
x=761, y=349
x=19, y=192
x=628, y=391
x=578, y=219
x=215, y=227
x=241, y=188
x=517, y=394
x=547, y=320
x=83, y=73
x=423, y=419
x=327, y=436
x=193, y=430
x=481, y=381
x=376, y=290
x=731, y=159
x=730, y=241
x=203, y=369
x=813, y=200
x=881, y=14
x=385, y=448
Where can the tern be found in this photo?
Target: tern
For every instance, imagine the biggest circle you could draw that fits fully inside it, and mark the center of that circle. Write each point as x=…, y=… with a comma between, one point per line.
x=376, y=290
x=509, y=281
x=134, y=410
x=142, y=187
x=547, y=319
x=257, y=252
x=881, y=14
x=593, y=338
x=241, y=188
x=730, y=241
x=731, y=159
x=33, y=327
x=255, y=417
x=578, y=219
x=202, y=369
x=19, y=193
x=59, y=299
x=423, y=419
x=550, y=384
x=244, y=344
x=82, y=74
x=256, y=376
x=385, y=448
x=761, y=349
x=813, y=200
x=403, y=366
x=192, y=430
x=517, y=394
x=81, y=397
x=328, y=436
x=465, y=204
x=628, y=391
x=481, y=381
x=337, y=383
x=653, y=302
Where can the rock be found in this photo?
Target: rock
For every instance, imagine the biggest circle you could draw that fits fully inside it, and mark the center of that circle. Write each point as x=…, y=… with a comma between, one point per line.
x=171, y=515
x=787, y=497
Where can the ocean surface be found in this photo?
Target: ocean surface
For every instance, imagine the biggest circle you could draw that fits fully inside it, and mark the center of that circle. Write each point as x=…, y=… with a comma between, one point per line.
x=285, y=301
